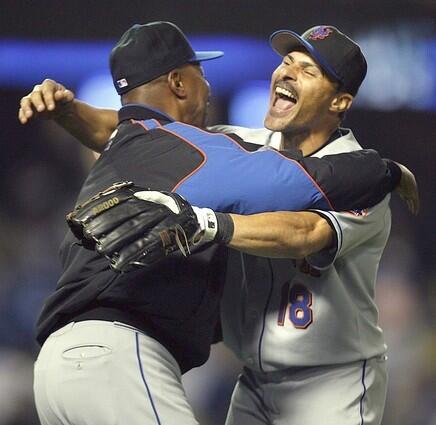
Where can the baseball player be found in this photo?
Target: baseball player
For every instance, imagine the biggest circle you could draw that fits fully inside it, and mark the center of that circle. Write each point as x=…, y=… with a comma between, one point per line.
x=295, y=305
x=307, y=330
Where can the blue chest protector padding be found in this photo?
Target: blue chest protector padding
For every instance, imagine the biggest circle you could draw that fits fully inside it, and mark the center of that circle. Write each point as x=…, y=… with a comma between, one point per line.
x=231, y=179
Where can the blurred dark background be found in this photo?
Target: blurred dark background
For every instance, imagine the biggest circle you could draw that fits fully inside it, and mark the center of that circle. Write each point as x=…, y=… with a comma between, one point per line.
x=42, y=167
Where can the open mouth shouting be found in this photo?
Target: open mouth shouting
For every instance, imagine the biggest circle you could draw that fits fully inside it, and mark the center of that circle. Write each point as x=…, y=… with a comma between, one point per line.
x=284, y=98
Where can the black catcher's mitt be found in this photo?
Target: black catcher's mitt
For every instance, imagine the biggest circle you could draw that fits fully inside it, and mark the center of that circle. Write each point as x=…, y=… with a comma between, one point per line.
x=134, y=227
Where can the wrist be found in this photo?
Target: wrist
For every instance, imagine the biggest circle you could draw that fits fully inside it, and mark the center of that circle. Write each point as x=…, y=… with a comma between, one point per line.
x=226, y=228
x=213, y=227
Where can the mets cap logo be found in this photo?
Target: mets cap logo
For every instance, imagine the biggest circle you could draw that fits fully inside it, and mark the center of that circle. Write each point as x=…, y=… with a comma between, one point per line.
x=320, y=33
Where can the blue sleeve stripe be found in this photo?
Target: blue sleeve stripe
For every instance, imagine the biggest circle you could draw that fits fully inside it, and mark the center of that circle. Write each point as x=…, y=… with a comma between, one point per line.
x=338, y=226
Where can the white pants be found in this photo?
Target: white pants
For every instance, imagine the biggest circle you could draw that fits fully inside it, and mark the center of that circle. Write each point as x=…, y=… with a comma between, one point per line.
x=349, y=394
x=106, y=373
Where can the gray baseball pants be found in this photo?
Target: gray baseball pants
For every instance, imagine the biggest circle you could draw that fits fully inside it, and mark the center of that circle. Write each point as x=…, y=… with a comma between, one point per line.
x=107, y=373
x=347, y=394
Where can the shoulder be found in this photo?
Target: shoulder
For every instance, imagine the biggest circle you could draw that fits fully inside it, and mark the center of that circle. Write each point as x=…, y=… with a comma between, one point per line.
x=365, y=214
x=346, y=143
x=363, y=229
x=259, y=136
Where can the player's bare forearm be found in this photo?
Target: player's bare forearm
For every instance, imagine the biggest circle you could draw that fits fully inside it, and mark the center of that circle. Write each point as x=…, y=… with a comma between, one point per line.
x=281, y=234
x=51, y=100
x=91, y=126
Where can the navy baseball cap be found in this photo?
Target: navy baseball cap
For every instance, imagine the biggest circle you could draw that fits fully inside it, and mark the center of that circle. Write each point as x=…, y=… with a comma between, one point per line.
x=337, y=54
x=145, y=52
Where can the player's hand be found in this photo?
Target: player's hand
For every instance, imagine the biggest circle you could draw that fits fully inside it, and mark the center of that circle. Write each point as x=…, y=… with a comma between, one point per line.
x=408, y=189
x=47, y=100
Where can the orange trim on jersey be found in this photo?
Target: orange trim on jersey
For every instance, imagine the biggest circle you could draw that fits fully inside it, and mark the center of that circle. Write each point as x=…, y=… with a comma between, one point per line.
x=157, y=122
x=195, y=147
x=274, y=151
x=139, y=123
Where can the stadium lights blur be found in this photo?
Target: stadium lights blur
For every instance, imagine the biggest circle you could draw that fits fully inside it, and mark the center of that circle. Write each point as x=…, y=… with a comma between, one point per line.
x=401, y=70
x=249, y=104
x=98, y=90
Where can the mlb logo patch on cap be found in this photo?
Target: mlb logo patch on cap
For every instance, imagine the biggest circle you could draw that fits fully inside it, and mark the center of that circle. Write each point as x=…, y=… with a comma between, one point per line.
x=122, y=83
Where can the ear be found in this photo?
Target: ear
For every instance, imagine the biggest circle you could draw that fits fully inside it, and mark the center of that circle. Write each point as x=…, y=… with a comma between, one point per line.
x=341, y=102
x=175, y=83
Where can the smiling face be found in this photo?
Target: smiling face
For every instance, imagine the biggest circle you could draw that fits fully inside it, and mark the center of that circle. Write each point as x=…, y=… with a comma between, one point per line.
x=301, y=95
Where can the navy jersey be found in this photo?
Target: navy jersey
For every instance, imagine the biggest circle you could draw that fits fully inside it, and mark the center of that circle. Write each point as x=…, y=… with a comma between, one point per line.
x=178, y=303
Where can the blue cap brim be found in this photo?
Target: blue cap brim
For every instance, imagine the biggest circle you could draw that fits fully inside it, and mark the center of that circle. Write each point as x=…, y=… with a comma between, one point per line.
x=285, y=41
x=206, y=56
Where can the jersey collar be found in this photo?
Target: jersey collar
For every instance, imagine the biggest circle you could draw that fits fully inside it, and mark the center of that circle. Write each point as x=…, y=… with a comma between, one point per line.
x=339, y=132
x=142, y=112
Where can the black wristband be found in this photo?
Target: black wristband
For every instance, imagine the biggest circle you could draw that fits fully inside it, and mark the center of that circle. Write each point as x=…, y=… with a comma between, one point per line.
x=226, y=228
x=395, y=171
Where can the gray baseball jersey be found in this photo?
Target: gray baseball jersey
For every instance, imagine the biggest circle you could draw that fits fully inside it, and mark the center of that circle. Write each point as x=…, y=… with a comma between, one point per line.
x=319, y=311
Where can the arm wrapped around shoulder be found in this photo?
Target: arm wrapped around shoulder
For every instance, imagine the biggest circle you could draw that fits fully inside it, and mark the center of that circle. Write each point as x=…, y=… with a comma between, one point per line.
x=136, y=227
x=354, y=180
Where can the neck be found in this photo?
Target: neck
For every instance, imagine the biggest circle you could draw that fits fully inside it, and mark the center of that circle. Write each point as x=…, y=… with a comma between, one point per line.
x=307, y=141
x=149, y=98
